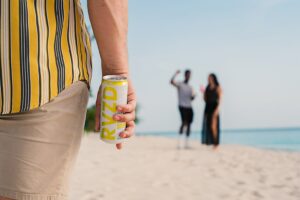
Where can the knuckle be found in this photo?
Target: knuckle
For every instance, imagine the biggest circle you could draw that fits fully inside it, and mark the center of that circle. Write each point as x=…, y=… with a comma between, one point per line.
x=123, y=118
x=132, y=118
x=130, y=133
x=132, y=106
x=131, y=123
x=128, y=108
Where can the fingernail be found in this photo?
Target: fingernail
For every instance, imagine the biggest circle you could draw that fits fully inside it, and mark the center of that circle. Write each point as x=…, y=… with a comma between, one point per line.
x=119, y=108
x=119, y=147
x=117, y=117
x=123, y=135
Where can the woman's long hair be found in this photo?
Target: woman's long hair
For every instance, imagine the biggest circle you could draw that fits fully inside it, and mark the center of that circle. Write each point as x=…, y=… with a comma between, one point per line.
x=216, y=82
x=215, y=79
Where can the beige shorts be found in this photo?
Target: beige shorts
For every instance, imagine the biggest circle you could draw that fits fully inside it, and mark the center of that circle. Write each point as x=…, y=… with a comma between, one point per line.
x=38, y=148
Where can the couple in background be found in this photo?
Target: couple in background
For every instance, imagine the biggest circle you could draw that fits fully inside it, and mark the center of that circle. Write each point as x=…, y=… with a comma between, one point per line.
x=211, y=119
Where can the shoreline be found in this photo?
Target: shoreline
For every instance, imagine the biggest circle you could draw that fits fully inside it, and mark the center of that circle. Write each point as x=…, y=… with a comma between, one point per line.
x=152, y=168
x=195, y=137
x=283, y=139
x=226, y=144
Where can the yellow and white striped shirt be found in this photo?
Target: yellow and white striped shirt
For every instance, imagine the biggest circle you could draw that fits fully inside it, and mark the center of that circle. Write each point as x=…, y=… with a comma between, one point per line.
x=44, y=48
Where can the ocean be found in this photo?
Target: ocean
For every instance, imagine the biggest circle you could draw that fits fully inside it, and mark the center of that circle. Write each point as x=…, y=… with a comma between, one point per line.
x=278, y=139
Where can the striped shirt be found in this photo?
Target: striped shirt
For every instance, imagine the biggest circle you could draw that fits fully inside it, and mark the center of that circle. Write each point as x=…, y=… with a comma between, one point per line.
x=44, y=48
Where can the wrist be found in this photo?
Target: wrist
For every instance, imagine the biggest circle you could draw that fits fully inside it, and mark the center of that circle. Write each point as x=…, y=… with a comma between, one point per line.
x=120, y=68
x=115, y=72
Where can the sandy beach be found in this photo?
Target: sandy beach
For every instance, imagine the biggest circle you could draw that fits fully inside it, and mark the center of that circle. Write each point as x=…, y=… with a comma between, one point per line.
x=151, y=168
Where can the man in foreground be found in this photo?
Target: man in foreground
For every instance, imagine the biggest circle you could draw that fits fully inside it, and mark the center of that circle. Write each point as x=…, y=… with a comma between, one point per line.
x=45, y=60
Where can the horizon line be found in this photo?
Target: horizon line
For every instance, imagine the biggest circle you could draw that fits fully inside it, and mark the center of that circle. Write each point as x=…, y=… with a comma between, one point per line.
x=235, y=130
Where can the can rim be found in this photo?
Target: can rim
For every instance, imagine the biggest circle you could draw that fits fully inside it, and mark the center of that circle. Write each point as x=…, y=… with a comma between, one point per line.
x=114, y=78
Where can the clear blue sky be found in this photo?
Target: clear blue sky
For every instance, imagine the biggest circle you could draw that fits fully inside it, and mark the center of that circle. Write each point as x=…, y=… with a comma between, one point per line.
x=252, y=45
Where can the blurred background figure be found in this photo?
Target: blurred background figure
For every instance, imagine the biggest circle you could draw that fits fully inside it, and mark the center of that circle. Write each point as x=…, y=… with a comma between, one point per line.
x=211, y=120
x=185, y=97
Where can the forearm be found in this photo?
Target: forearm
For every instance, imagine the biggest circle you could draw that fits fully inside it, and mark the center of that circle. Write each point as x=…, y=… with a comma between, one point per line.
x=173, y=78
x=109, y=19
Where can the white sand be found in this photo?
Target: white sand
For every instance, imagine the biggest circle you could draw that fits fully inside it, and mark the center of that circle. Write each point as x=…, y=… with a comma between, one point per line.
x=151, y=168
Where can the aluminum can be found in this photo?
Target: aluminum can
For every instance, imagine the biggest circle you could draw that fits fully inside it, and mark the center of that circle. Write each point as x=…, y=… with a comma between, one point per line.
x=114, y=89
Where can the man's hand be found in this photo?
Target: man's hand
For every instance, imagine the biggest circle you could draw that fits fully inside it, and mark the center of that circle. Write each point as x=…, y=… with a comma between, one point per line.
x=128, y=113
x=109, y=20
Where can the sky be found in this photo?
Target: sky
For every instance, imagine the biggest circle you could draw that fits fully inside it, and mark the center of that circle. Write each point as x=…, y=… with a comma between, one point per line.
x=252, y=45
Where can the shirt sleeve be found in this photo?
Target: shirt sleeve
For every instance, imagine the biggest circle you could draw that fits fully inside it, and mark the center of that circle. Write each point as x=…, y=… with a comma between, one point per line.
x=178, y=84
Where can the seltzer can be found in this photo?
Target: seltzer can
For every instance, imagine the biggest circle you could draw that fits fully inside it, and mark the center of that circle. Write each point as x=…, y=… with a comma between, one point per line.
x=114, y=89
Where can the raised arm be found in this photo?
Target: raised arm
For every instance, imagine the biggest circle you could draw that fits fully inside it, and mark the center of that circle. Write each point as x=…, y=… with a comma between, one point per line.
x=173, y=79
x=109, y=19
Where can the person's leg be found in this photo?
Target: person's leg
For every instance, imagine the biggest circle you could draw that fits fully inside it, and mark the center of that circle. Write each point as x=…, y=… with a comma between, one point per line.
x=181, y=111
x=181, y=128
x=204, y=130
x=187, y=135
x=209, y=135
x=214, y=130
x=188, y=130
x=180, y=136
x=188, y=122
x=214, y=127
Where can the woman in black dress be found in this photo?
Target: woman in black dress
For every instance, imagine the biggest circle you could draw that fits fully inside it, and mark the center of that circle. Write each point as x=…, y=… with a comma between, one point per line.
x=211, y=120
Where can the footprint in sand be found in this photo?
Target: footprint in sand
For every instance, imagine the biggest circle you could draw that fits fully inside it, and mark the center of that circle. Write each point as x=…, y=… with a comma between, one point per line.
x=257, y=195
x=100, y=196
x=277, y=186
x=213, y=173
x=224, y=196
x=91, y=195
x=288, y=178
x=240, y=183
x=262, y=179
x=95, y=162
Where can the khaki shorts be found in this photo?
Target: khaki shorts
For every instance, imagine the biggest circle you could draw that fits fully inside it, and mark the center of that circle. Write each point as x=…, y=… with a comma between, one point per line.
x=38, y=148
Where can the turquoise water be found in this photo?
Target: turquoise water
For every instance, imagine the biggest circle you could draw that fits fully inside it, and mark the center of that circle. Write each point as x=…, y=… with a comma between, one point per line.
x=280, y=139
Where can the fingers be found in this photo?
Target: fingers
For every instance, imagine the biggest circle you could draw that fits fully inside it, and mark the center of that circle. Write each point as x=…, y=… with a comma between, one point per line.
x=119, y=146
x=126, y=113
x=130, y=107
x=129, y=131
x=126, y=108
x=124, y=117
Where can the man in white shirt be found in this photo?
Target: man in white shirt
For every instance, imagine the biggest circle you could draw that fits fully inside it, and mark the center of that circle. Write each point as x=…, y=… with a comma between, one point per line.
x=185, y=96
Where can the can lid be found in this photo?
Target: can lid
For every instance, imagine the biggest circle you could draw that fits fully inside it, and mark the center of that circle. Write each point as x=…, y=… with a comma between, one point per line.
x=114, y=78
